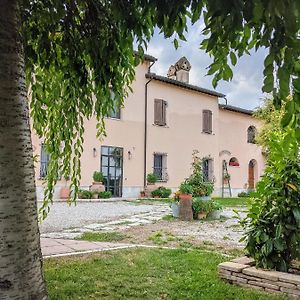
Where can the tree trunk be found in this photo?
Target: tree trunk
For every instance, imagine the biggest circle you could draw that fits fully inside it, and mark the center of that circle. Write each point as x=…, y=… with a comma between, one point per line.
x=21, y=275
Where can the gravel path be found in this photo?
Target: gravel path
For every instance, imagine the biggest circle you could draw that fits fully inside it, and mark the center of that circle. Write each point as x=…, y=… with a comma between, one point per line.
x=62, y=216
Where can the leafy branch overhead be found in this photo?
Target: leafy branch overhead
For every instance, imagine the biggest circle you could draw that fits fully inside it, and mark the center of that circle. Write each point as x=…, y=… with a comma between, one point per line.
x=78, y=53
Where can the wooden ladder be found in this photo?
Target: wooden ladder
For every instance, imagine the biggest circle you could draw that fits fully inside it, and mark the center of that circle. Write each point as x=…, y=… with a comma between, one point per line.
x=224, y=175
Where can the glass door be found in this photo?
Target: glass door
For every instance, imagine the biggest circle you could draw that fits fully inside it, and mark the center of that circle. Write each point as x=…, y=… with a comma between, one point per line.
x=112, y=169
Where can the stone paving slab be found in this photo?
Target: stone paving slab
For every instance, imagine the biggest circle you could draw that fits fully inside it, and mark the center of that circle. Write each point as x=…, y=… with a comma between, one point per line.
x=54, y=247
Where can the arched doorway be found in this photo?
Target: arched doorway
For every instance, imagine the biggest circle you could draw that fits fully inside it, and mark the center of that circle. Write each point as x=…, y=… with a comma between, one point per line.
x=251, y=174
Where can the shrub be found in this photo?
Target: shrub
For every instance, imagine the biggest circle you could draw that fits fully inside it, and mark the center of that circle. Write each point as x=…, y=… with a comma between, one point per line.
x=196, y=180
x=273, y=221
x=186, y=188
x=161, y=192
x=151, y=178
x=243, y=194
x=84, y=194
x=105, y=195
x=98, y=176
x=199, y=205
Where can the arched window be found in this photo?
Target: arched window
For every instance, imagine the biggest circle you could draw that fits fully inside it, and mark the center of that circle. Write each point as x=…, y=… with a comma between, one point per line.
x=233, y=162
x=251, y=132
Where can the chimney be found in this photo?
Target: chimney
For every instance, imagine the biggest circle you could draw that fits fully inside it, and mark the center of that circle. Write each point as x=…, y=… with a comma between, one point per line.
x=183, y=68
x=172, y=72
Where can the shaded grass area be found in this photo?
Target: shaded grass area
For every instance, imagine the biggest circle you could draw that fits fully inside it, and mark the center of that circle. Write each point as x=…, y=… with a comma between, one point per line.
x=143, y=274
x=229, y=202
x=112, y=236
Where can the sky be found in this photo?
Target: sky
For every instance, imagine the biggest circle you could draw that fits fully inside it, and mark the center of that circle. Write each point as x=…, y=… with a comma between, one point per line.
x=245, y=88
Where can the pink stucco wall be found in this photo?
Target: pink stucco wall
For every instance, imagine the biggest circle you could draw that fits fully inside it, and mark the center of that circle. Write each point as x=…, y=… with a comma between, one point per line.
x=178, y=139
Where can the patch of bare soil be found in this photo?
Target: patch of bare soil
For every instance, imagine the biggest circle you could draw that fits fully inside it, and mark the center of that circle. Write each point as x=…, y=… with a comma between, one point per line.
x=224, y=233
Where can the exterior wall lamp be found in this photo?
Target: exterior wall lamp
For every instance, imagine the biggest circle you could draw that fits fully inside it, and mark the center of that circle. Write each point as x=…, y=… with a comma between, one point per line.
x=129, y=155
x=94, y=152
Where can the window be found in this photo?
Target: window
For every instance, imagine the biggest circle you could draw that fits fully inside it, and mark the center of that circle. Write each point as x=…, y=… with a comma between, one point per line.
x=44, y=161
x=233, y=162
x=207, y=169
x=207, y=121
x=160, y=166
x=160, y=107
x=251, y=132
x=115, y=111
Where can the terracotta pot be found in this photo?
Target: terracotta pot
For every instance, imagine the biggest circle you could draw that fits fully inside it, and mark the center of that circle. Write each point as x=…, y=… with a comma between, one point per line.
x=185, y=197
x=202, y=215
x=142, y=194
x=64, y=193
x=97, y=187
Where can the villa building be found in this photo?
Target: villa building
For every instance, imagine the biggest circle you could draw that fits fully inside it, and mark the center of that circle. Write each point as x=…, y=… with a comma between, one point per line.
x=161, y=123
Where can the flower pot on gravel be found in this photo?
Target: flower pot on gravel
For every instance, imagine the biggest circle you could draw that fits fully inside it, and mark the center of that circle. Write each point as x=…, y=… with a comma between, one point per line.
x=202, y=215
x=215, y=214
x=175, y=209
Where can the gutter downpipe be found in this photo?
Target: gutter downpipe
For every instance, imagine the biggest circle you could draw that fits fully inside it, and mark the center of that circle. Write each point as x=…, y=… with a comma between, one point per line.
x=145, y=126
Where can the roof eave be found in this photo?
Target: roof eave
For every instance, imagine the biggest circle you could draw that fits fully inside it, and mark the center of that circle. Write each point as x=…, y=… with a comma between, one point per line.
x=184, y=85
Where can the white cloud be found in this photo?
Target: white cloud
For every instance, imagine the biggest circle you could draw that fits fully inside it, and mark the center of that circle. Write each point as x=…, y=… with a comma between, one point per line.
x=245, y=88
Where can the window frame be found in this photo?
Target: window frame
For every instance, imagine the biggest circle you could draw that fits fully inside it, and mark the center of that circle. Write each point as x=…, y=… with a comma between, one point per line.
x=163, y=169
x=115, y=113
x=251, y=134
x=207, y=121
x=160, y=117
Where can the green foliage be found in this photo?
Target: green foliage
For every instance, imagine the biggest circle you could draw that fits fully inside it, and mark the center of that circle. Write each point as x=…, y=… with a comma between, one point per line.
x=151, y=178
x=186, y=188
x=243, y=194
x=206, y=206
x=78, y=52
x=196, y=179
x=84, y=194
x=98, y=176
x=273, y=220
x=104, y=195
x=161, y=192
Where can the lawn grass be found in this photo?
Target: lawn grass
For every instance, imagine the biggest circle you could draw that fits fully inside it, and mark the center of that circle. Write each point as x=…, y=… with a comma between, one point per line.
x=103, y=236
x=152, y=200
x=229, y=202
x=143, y=274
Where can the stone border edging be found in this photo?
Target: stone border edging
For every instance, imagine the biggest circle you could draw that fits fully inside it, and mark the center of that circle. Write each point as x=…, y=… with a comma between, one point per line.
x=242, y=272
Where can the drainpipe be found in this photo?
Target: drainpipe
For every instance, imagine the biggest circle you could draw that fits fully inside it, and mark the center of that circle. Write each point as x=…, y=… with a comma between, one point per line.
x=145, y=126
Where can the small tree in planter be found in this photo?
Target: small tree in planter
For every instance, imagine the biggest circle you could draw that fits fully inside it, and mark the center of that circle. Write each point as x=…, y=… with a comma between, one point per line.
x=97, y=185
x=201, y=188
x=151, y=180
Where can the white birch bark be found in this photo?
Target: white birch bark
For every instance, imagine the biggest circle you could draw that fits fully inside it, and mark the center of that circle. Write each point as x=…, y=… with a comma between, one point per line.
x=21, y=275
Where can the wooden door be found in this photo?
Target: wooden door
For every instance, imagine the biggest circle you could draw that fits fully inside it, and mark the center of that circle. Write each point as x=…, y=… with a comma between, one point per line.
x=251, y=183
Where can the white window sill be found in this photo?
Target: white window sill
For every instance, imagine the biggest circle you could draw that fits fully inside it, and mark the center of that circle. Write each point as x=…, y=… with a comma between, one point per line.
x=162, y=126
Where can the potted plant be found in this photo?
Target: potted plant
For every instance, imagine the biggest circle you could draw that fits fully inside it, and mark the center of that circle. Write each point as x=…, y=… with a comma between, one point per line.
x=142, y=194
x=216, y=209
x=175, y=205
x=65, y=190
x=201, y=208
x=186, y=191
x=151, y=180
x=226, y=178
x=97, y=185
